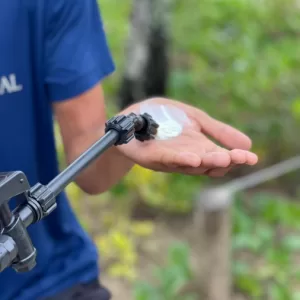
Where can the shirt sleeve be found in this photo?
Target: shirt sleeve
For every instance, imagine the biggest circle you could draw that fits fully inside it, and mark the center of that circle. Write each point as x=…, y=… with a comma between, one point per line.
x=77, y=55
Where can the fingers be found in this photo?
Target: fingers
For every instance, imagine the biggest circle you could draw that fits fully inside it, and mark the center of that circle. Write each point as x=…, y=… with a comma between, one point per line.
x=225, y=134
x=216, y=159
x=207, y=161
x=174, y=159
x=187, y=159
x=240, y=157
x=194, y=154
x=218, y=164
x=219, y=172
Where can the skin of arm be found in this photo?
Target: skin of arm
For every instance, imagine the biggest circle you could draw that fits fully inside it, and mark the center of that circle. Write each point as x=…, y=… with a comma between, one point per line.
x=81, y=121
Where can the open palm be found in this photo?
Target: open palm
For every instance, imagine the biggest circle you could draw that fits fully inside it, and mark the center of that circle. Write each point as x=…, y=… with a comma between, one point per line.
x=193, y=152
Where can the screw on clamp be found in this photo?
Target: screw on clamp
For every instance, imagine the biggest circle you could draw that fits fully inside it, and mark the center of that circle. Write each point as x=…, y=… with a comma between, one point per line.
x=146, y=127
x=142, y=127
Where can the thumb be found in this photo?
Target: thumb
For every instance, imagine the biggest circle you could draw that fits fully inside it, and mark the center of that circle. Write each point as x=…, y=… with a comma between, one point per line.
x=225, y=134
x=229, y=136
x=172, y=158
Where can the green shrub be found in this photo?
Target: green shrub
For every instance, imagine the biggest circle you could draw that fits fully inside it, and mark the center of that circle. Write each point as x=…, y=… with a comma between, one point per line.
x=171, y=279
x=266, y=244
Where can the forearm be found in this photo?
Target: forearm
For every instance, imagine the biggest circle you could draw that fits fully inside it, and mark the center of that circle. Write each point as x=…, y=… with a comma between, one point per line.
x=82, y=123
x=105, y=171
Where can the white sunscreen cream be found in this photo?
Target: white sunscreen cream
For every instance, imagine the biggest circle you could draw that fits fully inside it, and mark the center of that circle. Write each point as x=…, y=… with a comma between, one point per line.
x=170, y=119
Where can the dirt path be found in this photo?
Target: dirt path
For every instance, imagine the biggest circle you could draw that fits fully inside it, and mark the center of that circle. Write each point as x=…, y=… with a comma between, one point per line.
x=119, y=288
x=153, y=253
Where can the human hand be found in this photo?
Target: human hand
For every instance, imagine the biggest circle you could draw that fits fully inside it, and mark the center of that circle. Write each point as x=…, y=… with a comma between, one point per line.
x=192, y=152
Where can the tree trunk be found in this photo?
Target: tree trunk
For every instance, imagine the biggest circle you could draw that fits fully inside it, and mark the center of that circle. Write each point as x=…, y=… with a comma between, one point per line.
x=146, y=69
x=212, y=229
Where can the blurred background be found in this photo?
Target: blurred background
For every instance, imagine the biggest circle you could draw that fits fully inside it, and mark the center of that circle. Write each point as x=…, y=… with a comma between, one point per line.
x=239, y=60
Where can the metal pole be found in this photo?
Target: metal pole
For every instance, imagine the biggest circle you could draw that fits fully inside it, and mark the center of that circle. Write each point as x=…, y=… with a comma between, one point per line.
x=58, y=184
x=264, y=175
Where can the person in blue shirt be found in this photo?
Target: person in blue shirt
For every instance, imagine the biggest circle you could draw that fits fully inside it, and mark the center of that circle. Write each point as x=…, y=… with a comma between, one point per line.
x=53, y=58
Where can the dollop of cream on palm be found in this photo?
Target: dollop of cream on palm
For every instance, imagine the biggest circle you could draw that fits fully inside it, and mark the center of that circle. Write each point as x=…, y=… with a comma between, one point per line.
x=170, y=119
x=168, y=129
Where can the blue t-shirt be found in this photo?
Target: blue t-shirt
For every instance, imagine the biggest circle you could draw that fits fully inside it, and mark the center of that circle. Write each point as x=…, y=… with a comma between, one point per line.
x=50, y=50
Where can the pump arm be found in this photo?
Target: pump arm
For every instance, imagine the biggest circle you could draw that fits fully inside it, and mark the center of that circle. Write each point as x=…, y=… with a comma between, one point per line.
x=16, y=248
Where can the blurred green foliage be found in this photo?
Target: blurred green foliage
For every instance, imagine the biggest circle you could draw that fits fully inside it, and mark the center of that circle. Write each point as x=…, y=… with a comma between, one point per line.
x=119, y=246
x=159, y=190
x=266, y=245
x=171, y=278
x=238, y=60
